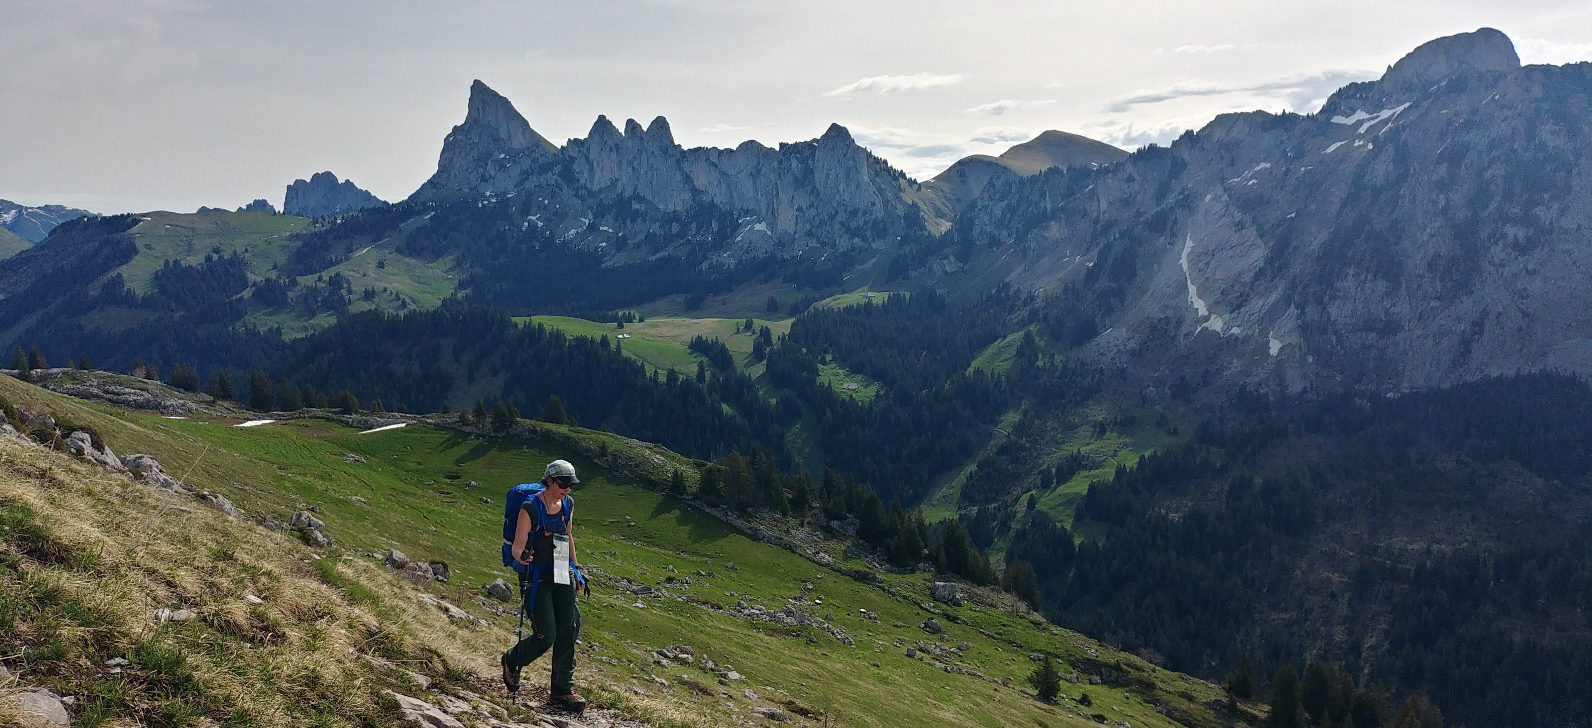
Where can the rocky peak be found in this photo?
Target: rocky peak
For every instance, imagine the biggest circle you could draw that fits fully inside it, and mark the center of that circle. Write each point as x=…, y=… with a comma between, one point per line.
x=323, y=195
x=659, y=134
x=1431, y=62
x=602, y=130
x=836, y=135
x=493, y=116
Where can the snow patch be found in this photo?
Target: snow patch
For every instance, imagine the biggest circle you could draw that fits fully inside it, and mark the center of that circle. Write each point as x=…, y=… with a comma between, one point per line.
x=1273, y=345
x=254, y=423
x=1370, y=119
x=174, y=417
x=1250, y=173
x=1335, y=146
x=387, y=427
x=1212, y=321
x=7, y=216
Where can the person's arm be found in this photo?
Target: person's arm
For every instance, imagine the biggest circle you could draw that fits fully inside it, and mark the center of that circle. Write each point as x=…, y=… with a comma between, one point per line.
x=571, y=535
x=522, y=533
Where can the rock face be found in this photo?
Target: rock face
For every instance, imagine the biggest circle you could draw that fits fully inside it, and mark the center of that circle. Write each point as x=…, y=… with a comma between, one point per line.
x=738, y=204
x=323, y=195
x=1425, y=229
x=35, y=223
x=259, y=205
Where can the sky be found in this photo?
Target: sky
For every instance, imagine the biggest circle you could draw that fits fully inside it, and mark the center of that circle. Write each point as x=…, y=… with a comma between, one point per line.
x=140, y=105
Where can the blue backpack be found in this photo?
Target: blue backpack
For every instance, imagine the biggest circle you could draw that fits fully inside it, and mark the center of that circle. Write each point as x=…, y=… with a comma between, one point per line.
x=511, y=516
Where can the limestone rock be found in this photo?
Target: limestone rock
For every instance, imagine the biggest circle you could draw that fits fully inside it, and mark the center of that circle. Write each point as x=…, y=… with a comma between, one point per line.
x=305, y=520
x=421, y=713
x=946, y=592
x=81, y=444
x=932, y=626
x=44, y=706
x=396, y=559
x=323, y=195
x=500, y=590
x=258, y=205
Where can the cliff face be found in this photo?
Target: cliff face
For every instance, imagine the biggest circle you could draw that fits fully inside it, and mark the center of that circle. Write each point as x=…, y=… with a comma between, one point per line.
x=1428, y=228
x=323, y=195
x=734, y=205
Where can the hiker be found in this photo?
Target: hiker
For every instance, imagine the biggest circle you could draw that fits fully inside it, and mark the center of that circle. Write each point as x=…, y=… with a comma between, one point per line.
x=541, y=550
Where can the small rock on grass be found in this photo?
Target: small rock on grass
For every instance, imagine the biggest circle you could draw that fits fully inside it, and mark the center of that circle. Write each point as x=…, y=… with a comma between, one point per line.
x=45, y=706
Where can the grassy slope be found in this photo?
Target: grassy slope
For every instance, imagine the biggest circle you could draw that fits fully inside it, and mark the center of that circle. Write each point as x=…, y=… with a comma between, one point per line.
x=163, y=236
x=662, y=342
x=629, y=532
x=11, y=244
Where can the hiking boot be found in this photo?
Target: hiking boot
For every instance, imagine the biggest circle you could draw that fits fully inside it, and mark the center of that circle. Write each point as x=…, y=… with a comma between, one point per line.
x=511, y=674
x=572, y=702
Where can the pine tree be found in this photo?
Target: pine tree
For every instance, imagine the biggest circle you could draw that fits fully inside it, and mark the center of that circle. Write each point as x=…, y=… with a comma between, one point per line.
x=504, y=416
x=347, y=402
x=677, y=482
x=375, y=405
x=260, y=395
x=1285, y=709
x=36, y=359
x=83, y=364
x=221, y=386
x=19, y=360
x=1020, y=580
x=1046, y=680
x=553, y=411
x=184, y=378
x=288, y=398
x=1241, y=681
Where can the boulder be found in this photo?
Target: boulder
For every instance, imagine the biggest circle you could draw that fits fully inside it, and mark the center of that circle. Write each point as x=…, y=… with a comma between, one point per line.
x=396, y=559
x=221, y=504
x=421, y=713
x=946, y=592
x=772, y=713
x=500, y=590
x=303, y=519
x=44, y=706
x=81, y=444
x=932, y=626
x=148, y=469
x=439, y=570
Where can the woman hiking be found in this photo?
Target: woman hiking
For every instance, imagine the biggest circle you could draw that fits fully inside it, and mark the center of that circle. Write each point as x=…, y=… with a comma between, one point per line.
x=544, y=551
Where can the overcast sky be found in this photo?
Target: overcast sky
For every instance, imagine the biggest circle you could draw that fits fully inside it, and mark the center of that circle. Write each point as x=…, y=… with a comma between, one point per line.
x=137, y=105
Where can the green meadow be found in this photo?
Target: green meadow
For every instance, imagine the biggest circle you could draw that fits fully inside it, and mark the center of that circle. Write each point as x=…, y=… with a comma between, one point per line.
x=435, y=493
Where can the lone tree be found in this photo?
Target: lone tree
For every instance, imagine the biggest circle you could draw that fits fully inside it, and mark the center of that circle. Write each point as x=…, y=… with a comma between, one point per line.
x=1046, y=680
x=504, y=415
x=553, y=411
x=1286, y=711
x=1020, y=580
x=221, y=386
x=36, y=359
x=260, y=395
x=19, y=360
x=184, y=378
x=347, y=402
x=84, y=365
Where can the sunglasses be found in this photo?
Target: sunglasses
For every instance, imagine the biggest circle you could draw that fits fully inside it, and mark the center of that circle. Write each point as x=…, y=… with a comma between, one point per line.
x=560, y=482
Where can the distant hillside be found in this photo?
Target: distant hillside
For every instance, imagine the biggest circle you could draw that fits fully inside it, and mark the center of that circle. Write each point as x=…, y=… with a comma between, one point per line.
x=34, y=223
x=965, y=179
x=11, y=243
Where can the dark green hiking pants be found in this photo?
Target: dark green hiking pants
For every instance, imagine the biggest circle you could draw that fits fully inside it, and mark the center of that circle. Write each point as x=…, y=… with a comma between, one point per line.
x=555, y=623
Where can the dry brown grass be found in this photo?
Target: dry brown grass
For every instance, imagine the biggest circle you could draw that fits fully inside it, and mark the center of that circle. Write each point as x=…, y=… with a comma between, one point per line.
x=120, y=550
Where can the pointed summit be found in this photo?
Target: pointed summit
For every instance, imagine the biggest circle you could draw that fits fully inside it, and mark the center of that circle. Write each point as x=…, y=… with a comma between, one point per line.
x=659, y=134
x=1483, y=50
x=488, y=110
x=836, y=133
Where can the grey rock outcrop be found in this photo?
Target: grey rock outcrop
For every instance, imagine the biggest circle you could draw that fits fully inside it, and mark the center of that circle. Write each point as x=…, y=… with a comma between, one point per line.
x=323, y=195
x=81, y=444
x=499, y=590
x=149, y=470
x=946, y=592
x=45, y=707
x=258, y=205
x=421, y=713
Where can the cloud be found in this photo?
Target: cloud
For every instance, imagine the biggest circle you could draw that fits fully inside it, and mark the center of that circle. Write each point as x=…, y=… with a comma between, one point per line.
x=1204, y=49
x=722, y=128
x=1000, y=135
x=895, y=84
x=997, y=108
x=1294, y=91
x=1537, y=50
